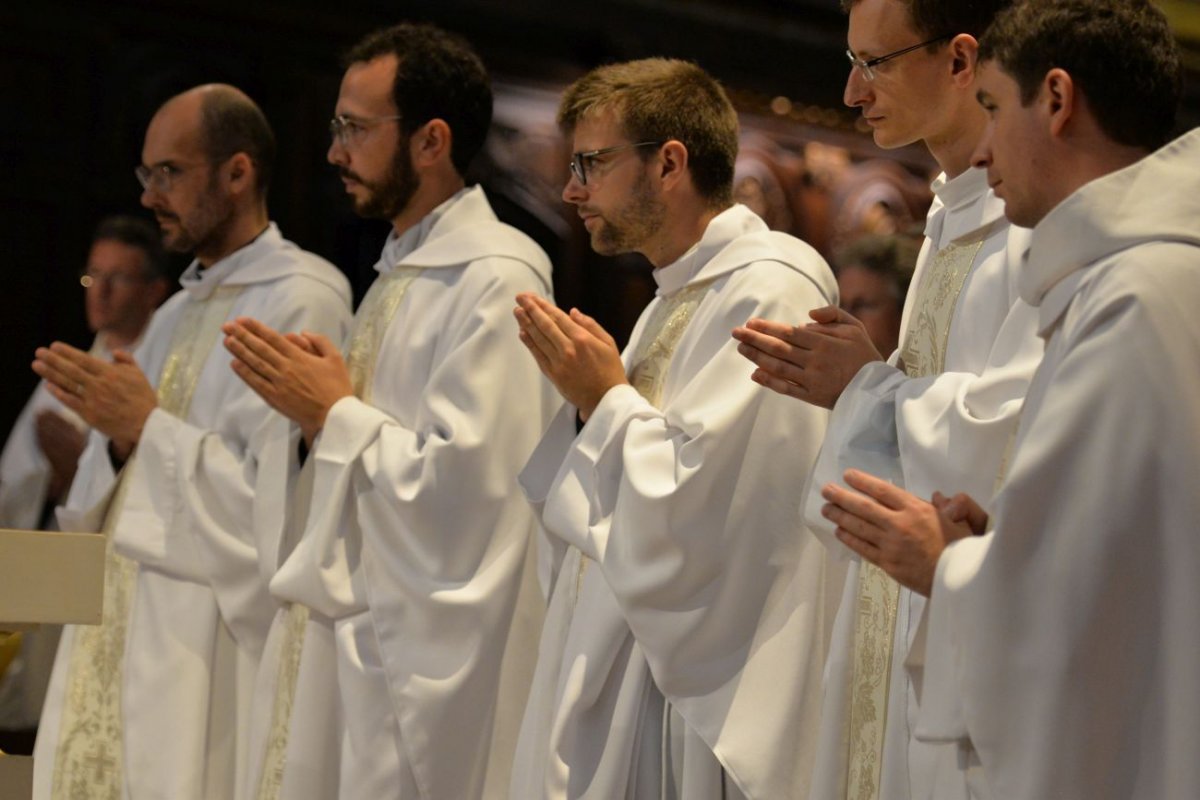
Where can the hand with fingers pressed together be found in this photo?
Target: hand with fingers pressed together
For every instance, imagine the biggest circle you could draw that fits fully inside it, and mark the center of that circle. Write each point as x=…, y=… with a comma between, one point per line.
x=300, y=375
x=572, y=350
x=813, y=362
x=114, y=398
x=62, y=444
x=897, y=531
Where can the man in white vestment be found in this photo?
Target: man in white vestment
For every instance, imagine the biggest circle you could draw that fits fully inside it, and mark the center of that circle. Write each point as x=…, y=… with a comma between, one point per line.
x=154, y=701
x=403, y=549
x=1062, y=648
x=688, y=617
x=124, y=281
x=941, y=412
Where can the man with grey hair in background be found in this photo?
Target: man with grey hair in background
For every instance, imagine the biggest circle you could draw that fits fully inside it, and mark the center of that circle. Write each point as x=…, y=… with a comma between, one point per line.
x=152, y=702
x=124, y=281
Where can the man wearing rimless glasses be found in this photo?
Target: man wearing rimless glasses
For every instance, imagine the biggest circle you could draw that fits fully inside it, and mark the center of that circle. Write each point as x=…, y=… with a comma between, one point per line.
x=685, y=635
x=150, y=703
x=940, y=412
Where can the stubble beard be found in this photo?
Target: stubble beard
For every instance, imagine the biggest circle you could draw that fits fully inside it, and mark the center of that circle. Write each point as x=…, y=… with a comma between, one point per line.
x=632, y=226
x=211, y=218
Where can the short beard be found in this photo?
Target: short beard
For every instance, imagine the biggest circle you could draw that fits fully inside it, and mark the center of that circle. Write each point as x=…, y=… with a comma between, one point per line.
x=388, y=198
x=212, y=217
x=633, y=225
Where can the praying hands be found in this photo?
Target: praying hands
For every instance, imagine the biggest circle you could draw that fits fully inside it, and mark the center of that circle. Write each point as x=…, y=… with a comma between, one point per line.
x=813, y=362
x=300, y=375
x=114, y=398
x=572, y=350
x=897, y=531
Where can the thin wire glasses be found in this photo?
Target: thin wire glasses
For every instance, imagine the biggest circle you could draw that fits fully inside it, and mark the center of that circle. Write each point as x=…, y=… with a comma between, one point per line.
x=346, y=130
x=159, y=178
x=866, y=67
x=582, y=161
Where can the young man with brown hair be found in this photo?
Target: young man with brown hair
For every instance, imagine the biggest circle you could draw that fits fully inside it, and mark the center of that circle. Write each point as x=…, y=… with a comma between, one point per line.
x=688, y=622
x=941, y=411
x=1062, y=649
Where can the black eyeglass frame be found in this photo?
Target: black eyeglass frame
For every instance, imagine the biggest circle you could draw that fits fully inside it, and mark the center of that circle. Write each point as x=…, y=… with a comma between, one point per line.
x=579, y=169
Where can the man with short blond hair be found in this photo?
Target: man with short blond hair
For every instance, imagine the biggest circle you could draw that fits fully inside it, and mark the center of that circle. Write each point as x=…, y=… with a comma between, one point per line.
x=683, y=644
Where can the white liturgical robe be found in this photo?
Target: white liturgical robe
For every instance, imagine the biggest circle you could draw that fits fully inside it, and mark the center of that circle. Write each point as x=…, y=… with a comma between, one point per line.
x=939, y=416
x=413, y=551
x=689, y=616
x=1064, y=645
x=25, y=475
x=154, y=702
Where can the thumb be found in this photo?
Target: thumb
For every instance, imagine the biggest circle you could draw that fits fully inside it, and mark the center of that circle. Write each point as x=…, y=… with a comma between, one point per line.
x=123, y=357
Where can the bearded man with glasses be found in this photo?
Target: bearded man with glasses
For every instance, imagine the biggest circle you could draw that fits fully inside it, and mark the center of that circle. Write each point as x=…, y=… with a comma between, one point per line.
x=686, y=631
x=940, y=413
x=152, y=702
x=402, y=551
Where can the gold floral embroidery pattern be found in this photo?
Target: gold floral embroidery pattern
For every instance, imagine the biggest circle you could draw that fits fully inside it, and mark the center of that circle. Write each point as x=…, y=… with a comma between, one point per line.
x=88, y=763
x=923, y=354
x=652, y=358
x=370, y=324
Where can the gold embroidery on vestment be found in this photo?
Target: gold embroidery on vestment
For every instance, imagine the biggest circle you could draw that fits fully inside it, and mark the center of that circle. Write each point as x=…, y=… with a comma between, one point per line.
x=372, y=321
x=89, y=760
x=923, y=354
x=652, y=358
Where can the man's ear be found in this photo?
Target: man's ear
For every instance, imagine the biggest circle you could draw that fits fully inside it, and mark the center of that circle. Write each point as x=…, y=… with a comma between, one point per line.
x=239, y=171
x=964, y=57
x=431, y=143
x=1058, y=94
x=673, y=161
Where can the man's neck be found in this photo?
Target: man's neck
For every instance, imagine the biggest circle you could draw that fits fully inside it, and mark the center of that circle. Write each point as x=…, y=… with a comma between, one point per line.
x=953, y=147
x=244, y=229
x=679, y=233
x=429, y=195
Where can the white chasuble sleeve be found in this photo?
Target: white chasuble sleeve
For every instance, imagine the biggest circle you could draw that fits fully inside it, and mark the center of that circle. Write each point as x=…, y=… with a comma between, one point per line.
x=950, y=431
x=1064, y=645
x=188, y=511
x=416, y=517
x=691, y=513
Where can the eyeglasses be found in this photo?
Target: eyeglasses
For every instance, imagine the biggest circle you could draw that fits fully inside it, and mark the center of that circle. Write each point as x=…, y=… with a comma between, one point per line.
x=159, y=178
x=348, y=130
x=583, y=161
x=117, y=280
x=865, y=67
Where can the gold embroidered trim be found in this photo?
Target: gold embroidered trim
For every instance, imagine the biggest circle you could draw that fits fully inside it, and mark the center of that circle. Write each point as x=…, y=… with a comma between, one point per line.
x=923, y=354
x=652, y=358
x=89, y=760
x=372, y=321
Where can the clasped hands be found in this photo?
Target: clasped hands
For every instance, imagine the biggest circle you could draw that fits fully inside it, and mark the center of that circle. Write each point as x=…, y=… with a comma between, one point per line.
x=897, y=531
x=572, y=351
x=813, y=362
x=300, y=375
x=113, y=397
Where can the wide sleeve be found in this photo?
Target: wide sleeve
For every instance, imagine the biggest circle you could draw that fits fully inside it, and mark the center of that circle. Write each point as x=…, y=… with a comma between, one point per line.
x=1064, y=645
x=189, y=504
x=24, y=470
x=949, y=432
x=416, y=516
x=692, y=513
